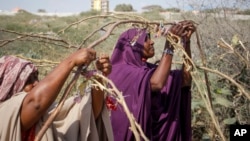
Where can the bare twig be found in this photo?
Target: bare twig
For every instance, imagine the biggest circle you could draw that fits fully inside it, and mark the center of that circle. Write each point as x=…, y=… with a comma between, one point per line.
x=203, y=58
x=247, y=94
x=37, y=61
x=40, y=36
x=226, y=45
x=5, y=42
x=197, y=81
x=91, y=34
x=85, y=19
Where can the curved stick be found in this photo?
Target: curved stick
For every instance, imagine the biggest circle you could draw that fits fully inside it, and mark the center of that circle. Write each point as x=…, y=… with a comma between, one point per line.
x=203, y=59
x=247, y=94
x=59, y=107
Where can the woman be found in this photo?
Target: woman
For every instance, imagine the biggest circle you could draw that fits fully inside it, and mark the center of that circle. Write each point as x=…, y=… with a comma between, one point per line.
x=159, y=98
x=25, y=103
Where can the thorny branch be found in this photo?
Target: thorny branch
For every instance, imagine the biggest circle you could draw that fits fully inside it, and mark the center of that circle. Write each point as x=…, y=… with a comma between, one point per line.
x=5, y=42
x=240, y=87
x=24, y=35
x=85, y=19
x=204, y=63
x=38, y=61
x=197, y=79
x=91, y=34
x=224, y=44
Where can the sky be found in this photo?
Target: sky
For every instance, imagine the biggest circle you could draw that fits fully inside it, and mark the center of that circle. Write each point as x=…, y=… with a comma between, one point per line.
x=69, y=6
x=77, y=6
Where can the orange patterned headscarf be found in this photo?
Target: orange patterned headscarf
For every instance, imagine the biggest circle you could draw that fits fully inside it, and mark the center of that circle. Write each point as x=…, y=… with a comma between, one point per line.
x=14, y=72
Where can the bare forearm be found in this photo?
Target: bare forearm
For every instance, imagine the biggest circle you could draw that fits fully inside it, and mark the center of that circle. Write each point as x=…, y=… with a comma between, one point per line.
x=161, y=73
x=97, y=100
x=48, y=89
x=44, y=94
x=187, y=79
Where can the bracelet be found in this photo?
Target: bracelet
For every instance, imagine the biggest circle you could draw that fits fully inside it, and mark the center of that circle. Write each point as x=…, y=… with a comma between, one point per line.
x=168, y=51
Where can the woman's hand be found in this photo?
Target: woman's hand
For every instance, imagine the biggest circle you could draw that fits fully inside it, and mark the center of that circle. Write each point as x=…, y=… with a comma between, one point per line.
x=177, y=29
x=83, y=56
x=183, y=29
x=189, y=29
x=103, y=64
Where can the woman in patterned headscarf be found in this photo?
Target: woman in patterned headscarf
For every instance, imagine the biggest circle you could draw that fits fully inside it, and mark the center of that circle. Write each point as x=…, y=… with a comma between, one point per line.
x=14, y=73
x=25, y=103
x=159, y=98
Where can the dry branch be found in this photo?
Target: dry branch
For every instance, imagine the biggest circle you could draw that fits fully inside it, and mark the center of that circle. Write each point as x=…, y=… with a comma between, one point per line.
x=91, y=34
x=241, y=88
x=5, y=42
x=39, y=36
x=85, y=19
x=204, y=63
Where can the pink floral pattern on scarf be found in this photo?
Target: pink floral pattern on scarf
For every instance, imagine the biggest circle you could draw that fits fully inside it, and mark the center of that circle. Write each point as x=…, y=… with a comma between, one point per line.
x=14, y=72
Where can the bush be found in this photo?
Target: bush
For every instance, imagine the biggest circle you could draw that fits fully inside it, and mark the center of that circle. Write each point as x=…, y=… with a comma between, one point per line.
x=124, y=8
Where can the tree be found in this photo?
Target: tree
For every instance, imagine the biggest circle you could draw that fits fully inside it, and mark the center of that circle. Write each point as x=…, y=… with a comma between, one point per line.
x=244, y=12
x=153, y=8
x=124, y=8
x=173, y=9
x=41, y=11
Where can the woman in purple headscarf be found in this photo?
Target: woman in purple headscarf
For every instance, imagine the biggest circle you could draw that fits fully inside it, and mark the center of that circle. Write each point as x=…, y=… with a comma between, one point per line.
x=159, y=98
x=25, y=103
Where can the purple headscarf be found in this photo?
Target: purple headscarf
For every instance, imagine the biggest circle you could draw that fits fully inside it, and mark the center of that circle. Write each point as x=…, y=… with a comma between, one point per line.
x=14, y=72
x=163, y=116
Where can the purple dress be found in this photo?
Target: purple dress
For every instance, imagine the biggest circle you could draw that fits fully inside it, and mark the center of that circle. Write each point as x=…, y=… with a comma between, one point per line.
x=163, y=115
